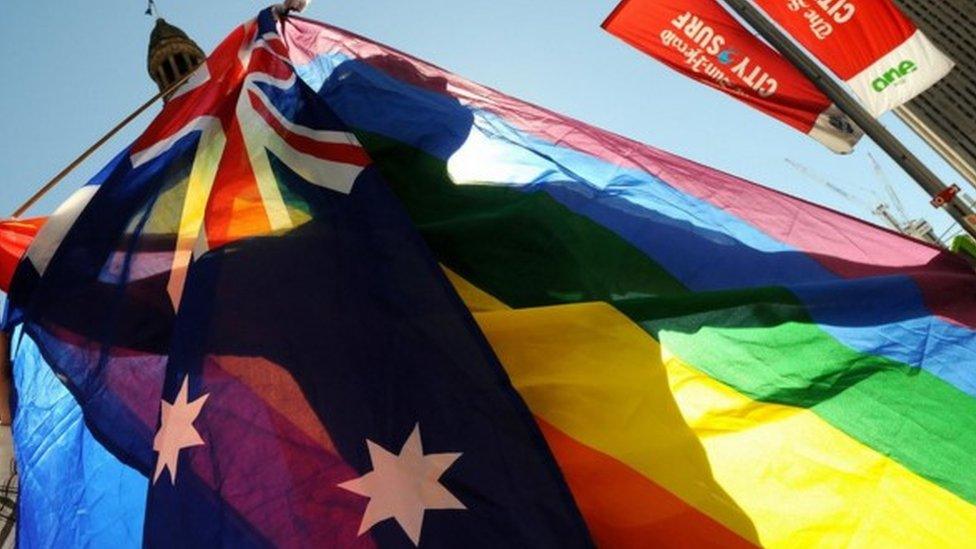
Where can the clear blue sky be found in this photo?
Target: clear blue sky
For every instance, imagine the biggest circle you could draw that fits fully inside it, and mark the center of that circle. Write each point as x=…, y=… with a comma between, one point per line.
x=74, y=68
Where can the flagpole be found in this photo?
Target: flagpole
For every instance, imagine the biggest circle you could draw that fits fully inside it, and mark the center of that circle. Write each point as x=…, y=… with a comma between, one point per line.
x=942, y=195
x=88, y=152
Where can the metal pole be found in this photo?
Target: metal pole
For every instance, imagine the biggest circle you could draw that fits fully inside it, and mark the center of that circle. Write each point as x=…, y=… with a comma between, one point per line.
x=959, y=210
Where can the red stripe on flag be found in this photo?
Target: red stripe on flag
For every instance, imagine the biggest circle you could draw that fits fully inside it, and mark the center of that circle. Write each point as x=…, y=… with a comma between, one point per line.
x=337, y=152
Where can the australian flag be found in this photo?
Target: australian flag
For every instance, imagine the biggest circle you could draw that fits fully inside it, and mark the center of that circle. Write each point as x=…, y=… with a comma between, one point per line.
x=233, y=336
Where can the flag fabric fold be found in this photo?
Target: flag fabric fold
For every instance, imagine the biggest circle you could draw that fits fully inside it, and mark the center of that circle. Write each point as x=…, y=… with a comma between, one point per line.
x=338, y=295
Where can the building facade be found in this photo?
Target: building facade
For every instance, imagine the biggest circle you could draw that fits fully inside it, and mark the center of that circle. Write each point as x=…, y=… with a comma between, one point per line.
x=945, y=115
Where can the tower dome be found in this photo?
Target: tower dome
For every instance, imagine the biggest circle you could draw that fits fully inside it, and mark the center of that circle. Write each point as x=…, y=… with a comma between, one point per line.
x=171, y=54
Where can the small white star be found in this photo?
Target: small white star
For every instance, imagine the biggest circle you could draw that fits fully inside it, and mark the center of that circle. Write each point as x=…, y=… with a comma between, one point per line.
x=176, y=431
x=404, y=486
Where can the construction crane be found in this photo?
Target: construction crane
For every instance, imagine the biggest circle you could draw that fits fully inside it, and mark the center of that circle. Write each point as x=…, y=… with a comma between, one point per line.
x=918, y=228
x=882, y=213
x=892, y=195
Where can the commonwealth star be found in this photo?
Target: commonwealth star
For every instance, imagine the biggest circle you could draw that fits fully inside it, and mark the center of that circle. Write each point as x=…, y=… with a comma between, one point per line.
x=176, y=431
x=404, y=486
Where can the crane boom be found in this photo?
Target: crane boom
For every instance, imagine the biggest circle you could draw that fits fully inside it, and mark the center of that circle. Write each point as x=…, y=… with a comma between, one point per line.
x=818, y=178
x=892, y=194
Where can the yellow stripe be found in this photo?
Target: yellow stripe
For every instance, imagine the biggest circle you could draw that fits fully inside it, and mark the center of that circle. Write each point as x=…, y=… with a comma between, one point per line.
x=474, y=297
x=774, y=474
x=256, y=138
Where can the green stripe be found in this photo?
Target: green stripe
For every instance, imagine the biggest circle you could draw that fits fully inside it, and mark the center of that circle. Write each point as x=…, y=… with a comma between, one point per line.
x=496, y=234
x=528, y=250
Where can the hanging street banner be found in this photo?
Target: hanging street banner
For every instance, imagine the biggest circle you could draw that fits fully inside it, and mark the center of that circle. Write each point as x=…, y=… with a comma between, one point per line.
x=870, y=44
x=701, y=40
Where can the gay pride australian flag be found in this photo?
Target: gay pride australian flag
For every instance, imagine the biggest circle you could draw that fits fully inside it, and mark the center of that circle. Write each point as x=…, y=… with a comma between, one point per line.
x=337, y=296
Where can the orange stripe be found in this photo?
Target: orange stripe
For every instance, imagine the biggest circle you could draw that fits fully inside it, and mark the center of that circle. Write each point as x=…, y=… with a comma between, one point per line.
x=624, y=508
x=235, y=209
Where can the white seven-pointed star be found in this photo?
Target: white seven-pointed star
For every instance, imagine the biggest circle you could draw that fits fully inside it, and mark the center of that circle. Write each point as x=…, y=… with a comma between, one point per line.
x=404, y=486
x=176, y=431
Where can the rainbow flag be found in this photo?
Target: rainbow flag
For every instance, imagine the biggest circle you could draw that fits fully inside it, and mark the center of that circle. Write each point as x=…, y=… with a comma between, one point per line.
x=336, y=295
x=712, y=362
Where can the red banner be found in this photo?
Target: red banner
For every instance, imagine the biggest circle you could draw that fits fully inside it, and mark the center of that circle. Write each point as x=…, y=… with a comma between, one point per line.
x=701, y=40
x=870, y=44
